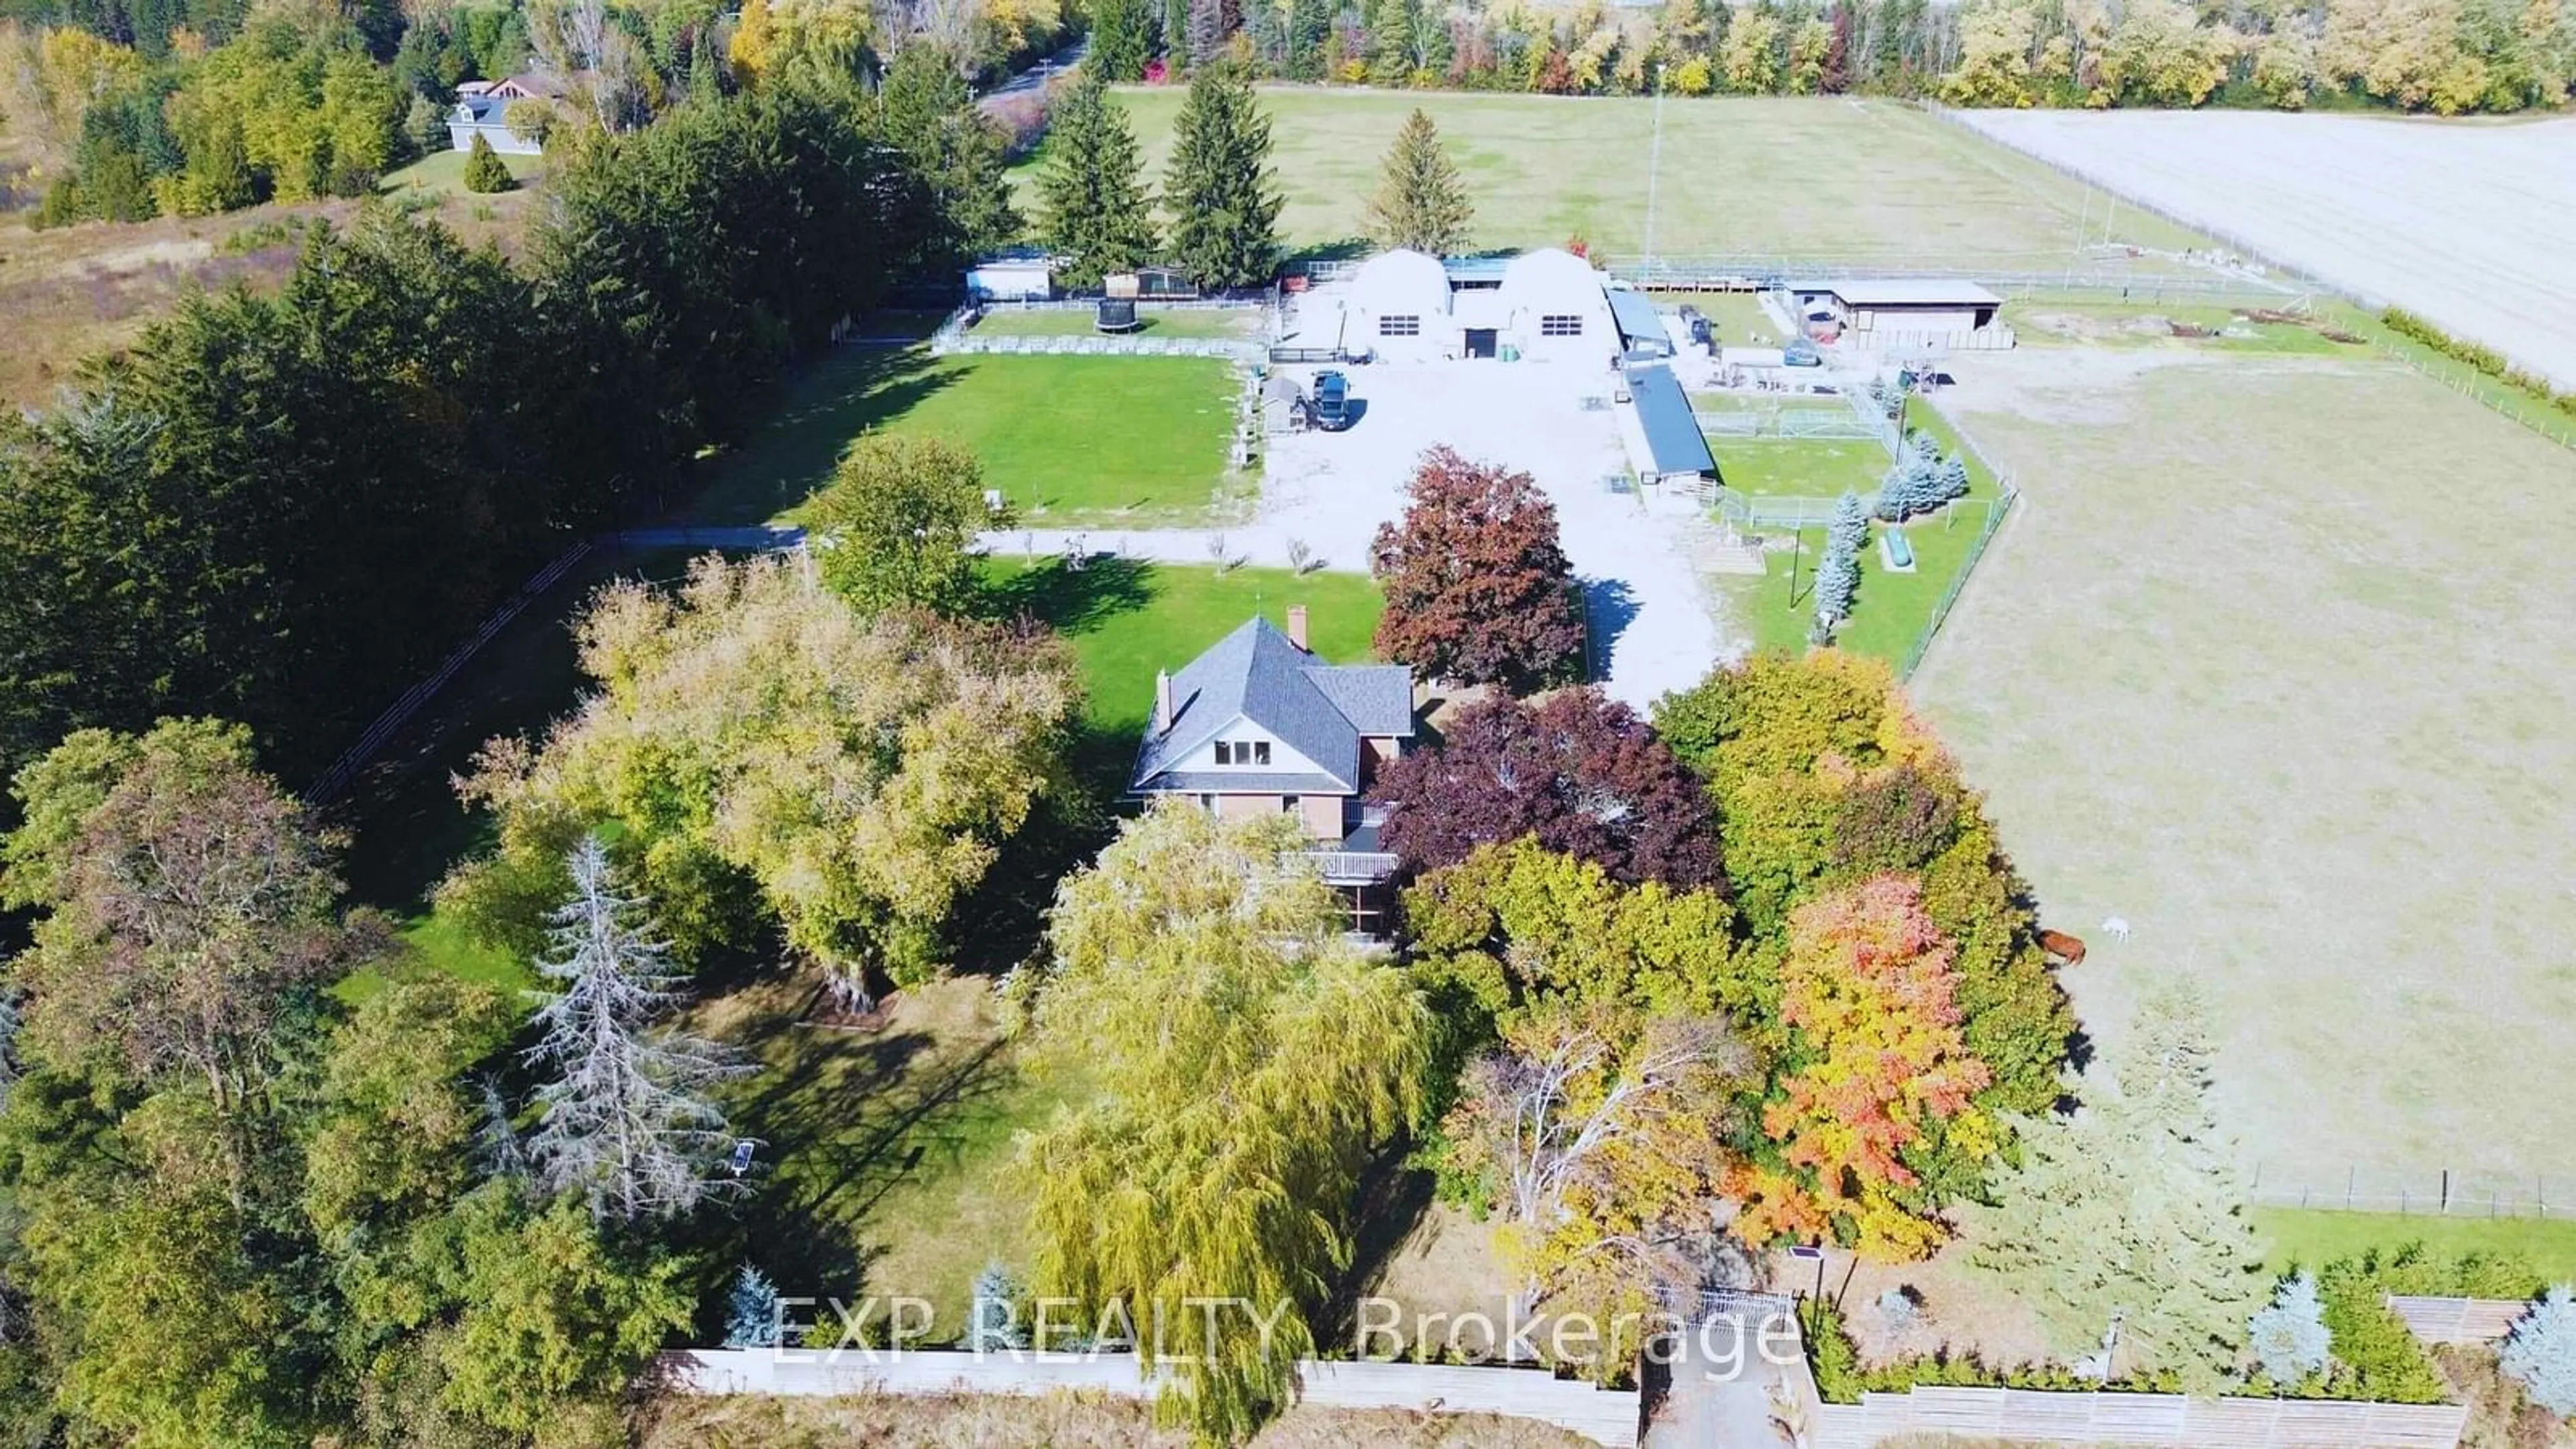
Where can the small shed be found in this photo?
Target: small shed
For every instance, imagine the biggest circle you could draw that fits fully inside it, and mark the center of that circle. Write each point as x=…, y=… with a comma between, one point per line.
x=1675, y=450
x=1284, y=406
x=1021, y=274
x=1642, y=336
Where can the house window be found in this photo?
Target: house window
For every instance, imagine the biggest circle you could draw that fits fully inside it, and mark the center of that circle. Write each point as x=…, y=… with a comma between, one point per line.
x=1243, y=752
x=1288, y=804
x=1400, y=325
x=1560, y=324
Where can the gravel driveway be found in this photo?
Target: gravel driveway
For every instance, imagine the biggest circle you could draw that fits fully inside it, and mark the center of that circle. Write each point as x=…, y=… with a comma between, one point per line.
x=1331, y=491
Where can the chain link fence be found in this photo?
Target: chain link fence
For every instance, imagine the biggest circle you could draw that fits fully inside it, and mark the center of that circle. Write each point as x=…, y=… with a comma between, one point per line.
x=2425, y=1191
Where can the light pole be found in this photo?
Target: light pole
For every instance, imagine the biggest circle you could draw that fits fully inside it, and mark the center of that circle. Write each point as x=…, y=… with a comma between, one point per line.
x=1654, y=160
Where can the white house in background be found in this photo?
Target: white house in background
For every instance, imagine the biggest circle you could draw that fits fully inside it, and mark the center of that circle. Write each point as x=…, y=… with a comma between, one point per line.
x=484, y=115
x=1017, y=274
x=1399, y=309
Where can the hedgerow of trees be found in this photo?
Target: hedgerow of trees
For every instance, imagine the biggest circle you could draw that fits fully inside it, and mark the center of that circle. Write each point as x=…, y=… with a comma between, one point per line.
x=338, y=479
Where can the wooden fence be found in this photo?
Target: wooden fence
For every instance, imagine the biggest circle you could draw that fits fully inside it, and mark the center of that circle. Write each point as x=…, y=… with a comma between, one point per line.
x=2458, y=1320
x=2036, y=1417
x=1603, y=1416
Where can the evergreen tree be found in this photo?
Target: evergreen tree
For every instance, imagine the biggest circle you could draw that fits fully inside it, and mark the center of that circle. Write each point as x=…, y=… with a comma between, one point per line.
x=1837, y=583
x=1421, y=202
x=1953, y=479
x=1390, y=37
x=1851, y=523
x=2288, y=1338
x=1224, y=209
x=931, y=116
x=751, y=1313
x=1097, y=217
x=1310, y=23
x=992, y=1314
x=627, y=1121
x=484, y=173
x=2540, y=1352
x=1176, y=35
x=1122, y=39
x=2132, y=1207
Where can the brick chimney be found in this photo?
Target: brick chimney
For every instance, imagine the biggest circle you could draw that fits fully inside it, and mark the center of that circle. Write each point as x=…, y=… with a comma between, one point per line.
x=1162, y=701
x=1297, y=627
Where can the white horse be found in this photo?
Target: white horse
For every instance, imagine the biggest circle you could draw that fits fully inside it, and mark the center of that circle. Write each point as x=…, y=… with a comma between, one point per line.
x=2116, y=927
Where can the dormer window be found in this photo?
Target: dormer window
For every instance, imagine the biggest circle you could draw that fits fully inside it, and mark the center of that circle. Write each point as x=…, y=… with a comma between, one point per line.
x=1243, y=752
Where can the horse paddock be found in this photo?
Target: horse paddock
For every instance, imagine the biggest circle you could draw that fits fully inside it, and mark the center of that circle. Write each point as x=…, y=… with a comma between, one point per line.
x=2275, y=661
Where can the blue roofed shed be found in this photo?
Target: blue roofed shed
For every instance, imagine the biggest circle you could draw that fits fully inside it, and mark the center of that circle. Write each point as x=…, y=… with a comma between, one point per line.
x=1674, y=448
x=1641, y=327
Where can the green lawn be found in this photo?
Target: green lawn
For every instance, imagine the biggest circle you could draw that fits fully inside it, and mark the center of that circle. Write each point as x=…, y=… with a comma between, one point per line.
x=2312, y=1236
x=1077, y=322
x=1891, y=610
x=1070, y=441
x=1801, y=469
x=1820, y=176
x=1128, y=620
x=443, y=172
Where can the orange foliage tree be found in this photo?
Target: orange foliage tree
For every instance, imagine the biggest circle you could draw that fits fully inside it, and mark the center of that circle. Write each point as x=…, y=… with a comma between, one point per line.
x=1880, y=1070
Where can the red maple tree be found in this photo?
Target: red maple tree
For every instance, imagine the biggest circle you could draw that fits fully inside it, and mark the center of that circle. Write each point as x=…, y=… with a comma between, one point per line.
x=1581, y=772
x=1477, y=587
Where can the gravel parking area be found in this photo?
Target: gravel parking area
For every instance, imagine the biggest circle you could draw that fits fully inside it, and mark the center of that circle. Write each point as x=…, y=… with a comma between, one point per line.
x=1331, y=491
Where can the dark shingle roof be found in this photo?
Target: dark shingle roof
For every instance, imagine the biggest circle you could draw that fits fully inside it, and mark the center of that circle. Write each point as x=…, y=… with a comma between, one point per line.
x=1322, y=711
x=1664, y=411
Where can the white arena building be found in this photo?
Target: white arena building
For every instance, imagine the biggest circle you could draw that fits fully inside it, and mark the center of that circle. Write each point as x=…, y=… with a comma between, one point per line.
x=1405, y=306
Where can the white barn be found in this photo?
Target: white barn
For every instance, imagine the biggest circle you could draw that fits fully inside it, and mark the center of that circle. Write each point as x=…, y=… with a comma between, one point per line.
x=1911, y=305
x=1551, y=308
x=1399, y=309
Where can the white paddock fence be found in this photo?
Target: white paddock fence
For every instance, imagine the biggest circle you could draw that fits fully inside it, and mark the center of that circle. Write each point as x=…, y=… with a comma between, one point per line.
x=2039, y=1417
x=1606, y=1416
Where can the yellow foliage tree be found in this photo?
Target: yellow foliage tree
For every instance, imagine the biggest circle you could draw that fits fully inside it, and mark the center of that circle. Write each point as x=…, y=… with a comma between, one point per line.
x=1869, y=988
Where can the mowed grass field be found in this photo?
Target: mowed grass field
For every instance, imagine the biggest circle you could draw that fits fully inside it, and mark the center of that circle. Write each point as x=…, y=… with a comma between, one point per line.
x=2276, y=660
x=1821, y=177
x=1069, y=441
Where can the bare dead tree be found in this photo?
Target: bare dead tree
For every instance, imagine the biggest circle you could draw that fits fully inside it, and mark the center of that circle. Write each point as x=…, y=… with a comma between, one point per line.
x=627, y=1116
x=586, y=54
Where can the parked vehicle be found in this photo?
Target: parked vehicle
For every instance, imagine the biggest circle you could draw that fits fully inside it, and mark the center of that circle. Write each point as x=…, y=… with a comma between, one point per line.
x=1332, y=406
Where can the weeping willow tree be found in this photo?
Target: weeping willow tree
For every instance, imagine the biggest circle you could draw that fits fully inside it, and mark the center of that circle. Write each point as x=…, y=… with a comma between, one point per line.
x=1244, y=1060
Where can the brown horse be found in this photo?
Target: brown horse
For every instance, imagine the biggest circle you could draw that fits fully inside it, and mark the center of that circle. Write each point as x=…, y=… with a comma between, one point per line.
x=2063, y=948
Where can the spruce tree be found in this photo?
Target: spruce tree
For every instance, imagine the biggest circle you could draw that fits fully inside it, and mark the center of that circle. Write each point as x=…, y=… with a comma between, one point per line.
x=931, y=117
x=1837, y=583
x=2540, y=1353
x=2132, y=1207
x=484, y=171
x=1310, y=23
x=751, y=1313
x=627, y=1122
x=1421, y=202
x=1122, y=39
x=1098, y=218
x=1176, y=35
x=1224, y=209
x=2289, y=1338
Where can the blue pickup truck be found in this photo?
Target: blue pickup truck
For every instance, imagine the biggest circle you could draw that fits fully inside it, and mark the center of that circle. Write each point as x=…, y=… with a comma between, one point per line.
x=1332, y=401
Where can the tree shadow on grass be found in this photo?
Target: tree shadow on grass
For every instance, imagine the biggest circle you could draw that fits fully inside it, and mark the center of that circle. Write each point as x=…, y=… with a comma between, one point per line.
x=1393, y=1195
x=1070, y=600
x=845, y=1118
x=819, y=410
